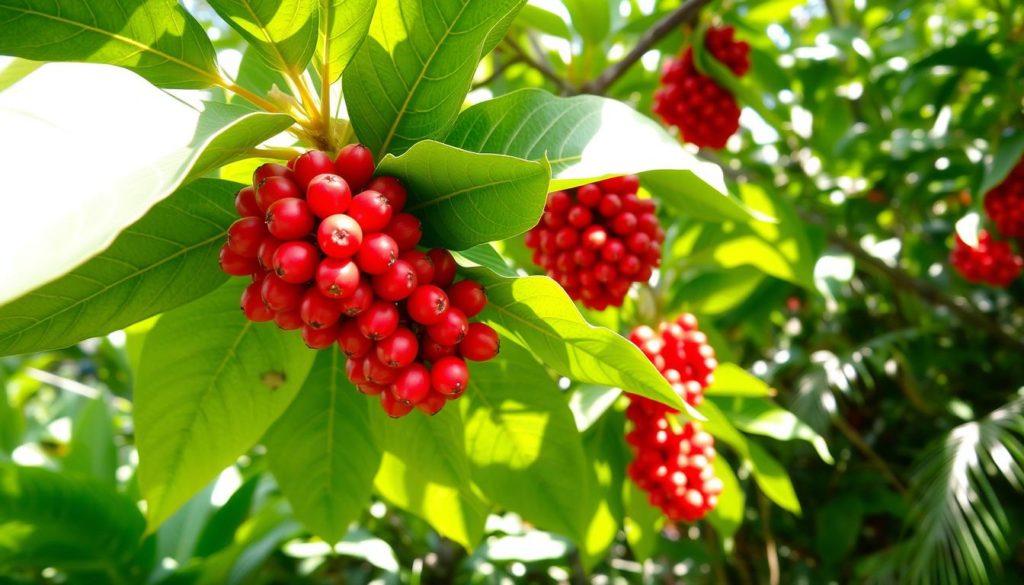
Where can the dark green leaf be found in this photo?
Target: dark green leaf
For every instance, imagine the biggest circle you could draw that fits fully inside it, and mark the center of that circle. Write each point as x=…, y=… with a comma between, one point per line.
x=93, y=453
x=284, y=32
x=727, y=516
x=220, y=529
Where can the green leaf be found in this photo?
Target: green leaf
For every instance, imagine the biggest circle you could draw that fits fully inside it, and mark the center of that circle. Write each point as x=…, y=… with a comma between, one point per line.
x=166, y=259
x=589, y=403
x=643, y=522
x=50, y=520
x=219, y=530
x=592, y=19
x=732, y=380
x=763, y=417
x=16, y=70
x=1008, y=155
x=93, y=453
x=588, y=138
x=535, y=312
x=465, y=198
x=484, y=255
x=837, y=527
x=341, y=33
x=158, y=39
x=407, y=81
x=201, y=401
x=77, y=212
x=772, y=478
x=607, y=455
x=321, y=450
x=257, y=539
x=716, y=291
x=284, y=32
x=12, y=422
x=544, y=21
x=522, y=443
x=425, y=470
x=727, y=516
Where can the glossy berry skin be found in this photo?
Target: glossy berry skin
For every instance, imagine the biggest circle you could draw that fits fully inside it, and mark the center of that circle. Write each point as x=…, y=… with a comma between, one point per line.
x=267, y=170
x=274, y=189
x=355, y=165
x=377, y=372
x=267, y=248
x=450, y=329
x=432, y=404
x=236, y=265
x=393, y=407
x=399, y=349
x=352, y=341
x=1004, y=203
x=319, y=311
x=450, y=376
x=377, y=253
x=252, y=305
x=412, y=385
x=992, y=261
x=310, y=164
x=469, y=296
x=296, y=262
x=337, y=278
x=433, y=351
x=395, y=283
x=328, y=194
x=290, y=219
x=371, y=389
x=358, y=301
x=444, y=267
x=392, y=189
x=421, y=264
x=245, y=203
x=427, y=304
x=354, y=370
x=288, y=320
x=372, y=210
x=319, y=338
x=246, y=235
x=480, y=344
x=406, y=230
x=339, y=236
x=378, y=321
x=280, y=295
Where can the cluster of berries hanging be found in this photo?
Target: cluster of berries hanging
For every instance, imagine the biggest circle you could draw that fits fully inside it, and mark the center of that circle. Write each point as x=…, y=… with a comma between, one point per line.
x=994, y=261
x=705, y=112
x=674, y=465
x=345, y=269
x=597, y=240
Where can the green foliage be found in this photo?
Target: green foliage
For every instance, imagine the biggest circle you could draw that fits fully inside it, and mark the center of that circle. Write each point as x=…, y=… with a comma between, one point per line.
x=284, y=34
x=341, y=33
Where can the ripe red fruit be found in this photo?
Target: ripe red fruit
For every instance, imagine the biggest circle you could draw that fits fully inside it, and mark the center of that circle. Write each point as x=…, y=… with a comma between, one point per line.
x=318, y=311
x=280, y=295
x=394, y=407
x=433, y=351
x=399, y=349
x=371, y=389
x=421, y=264
x=395, y=283
x=236, y=265
x=321, y=338
x=252, y=304
x=392, y=189
x=450, y=376
x=246, y=235
x=352, y=341
x=358, y=301
x=296, y=261
x=288, y=320
x=354, y=370
x=274, y=189
x=310, y=164
x=372, y=210
x=1004, y=204
x=379, y=320
x=245, y=203
x=427, y=304
x=355, y=165
x=480, y=344
x=267, y=170
x=992, y=261
x=444, y=267
x=405, y=229
x=376, y=371
x=266, y=252
x=339, y=236
x=432, y=404
x=377, y=253
x=469, y=296
x=290, y=219
x=328, y=194
x=412, y=385
x=337, y=277
x=450, y=329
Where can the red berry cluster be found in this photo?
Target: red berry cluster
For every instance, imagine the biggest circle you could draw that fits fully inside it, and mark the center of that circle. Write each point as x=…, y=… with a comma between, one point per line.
x=1004, y=204
x=992, y=262
x=705, y=112
x=674, y=465
x=345, y=269
x=597, y=240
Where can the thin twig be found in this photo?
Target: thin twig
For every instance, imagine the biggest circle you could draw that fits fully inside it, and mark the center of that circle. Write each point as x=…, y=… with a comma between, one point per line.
x=685, y=13
x=541, y=67
x=497, y=71
x=854, y=437
x=769, y=541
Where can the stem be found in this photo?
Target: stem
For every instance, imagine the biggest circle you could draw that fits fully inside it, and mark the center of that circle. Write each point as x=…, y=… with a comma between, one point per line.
x=325, y=72
x=250, y=96
x=274, y=153
x=301, y=89
x=769, y=541
x=685, y=13
x=858, y=441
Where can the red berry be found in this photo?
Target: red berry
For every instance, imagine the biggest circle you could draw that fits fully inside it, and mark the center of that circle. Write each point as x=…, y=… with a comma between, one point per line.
x=359, y=301
x=450, y=329
x=372, y=210
x=266, y=252
x=245, y=203
x=559, y=202
x=480, y=344
x=444, y=267
x=567, y=237
x=318, y=311
x=399, y=349
x=321, y=338
x=371, y=389
x=469, y=296
x=252, y=304
x=337, y=278
x=288, y=320
x=352, y=341
x=296, y=261
x=327, y=195
x=621, y=185
x=395, y=283
x=377, y=253
x=274, y=189
x=421, y=264
x=594, y=237
x=280, y=295
x=339, y=236
x=392, y=189
x=354, y=370
x=246, y=235
x=450, y=376
x=427, y=304
x=610, y=205
x=624, y=223
x=432, y=404
x=236, y=265
x=376, y=371
x=355, y=165
x=406, y=230
x=412, y=385
x=267, y=170
x=379, y=320
x=580, y=217
x=589, y=195
x=290, y=219
x=310, y=164
x=394, y=407
x=433, y=351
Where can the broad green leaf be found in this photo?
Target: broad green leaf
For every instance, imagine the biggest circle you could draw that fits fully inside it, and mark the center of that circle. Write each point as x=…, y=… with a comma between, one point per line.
x=523, y=447
x=732, y=380
x=484, y=255
x=721, y=428
x=544, y=21
x=284, y=32
x=425, y=470
x=643, y=522
x=761, y=416
x=407, y=81
x=322, y=451
x=254, y=74
x=341, y=33
x=93, y=453
x=201, y=401
x=14, y=70
x=12, y=422
x=466, y=198
x=727, y=516
x=772, y=478
x=592, y=19
x=177, y=537
x=158, y=39
x=716, y=291
x=535, y=312
x=74, y=214
x=1008, y=155
x=220, y=529
x=166, y=259
x=588, y=138
x=590, y=402
x=51, y=520
x=607, y=455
